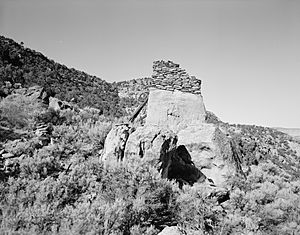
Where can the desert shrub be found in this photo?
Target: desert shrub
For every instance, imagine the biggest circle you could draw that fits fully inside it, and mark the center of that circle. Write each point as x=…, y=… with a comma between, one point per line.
x=43, y=163
x=19, y=147
x=87, y=199
x=19, y=111
x=267, y=202
x=50, y=116
x=198, y=212
x=82, y=136
x=64, y=189
x=124, y=200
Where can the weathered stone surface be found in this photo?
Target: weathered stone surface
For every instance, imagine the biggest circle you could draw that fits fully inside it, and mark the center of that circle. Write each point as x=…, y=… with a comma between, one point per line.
x=157, y=147
x=148, y=142
x=54, y=103
x=114, y=145
x=174, y=110
x=175, y=104
x=58, y=105
x=173, y=230
x=210, y=150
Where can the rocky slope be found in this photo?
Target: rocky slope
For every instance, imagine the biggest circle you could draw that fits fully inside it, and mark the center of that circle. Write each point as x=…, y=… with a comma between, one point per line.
x=20, y=66
x=258, y=144
x=58, y=177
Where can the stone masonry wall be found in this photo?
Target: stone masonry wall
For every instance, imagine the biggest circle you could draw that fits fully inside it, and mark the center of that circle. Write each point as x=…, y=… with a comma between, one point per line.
x=166, y=76
x=169, y=76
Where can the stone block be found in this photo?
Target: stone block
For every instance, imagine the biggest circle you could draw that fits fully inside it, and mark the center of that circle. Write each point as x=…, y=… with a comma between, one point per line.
x=174, y=110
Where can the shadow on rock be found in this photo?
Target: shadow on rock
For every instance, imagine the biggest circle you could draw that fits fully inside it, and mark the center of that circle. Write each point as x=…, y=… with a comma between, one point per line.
x=178, y=165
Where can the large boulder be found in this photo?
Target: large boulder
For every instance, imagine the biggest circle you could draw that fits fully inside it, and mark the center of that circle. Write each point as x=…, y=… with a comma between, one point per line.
x=210, y=151
x=58, y=105
x=174, y=110
x=158, y=147
x=147, y=143
x=114, y=145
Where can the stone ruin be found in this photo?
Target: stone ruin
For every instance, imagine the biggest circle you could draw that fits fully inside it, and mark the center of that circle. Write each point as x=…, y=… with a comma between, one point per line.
x=175, y=121
x=169, y=76
x=175, y=99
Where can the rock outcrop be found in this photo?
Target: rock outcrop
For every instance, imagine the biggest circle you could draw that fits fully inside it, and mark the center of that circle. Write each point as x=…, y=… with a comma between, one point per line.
x=114, y=145
x=177, y=138
x=166, y=76
x=174, y=110
x=210, y=150
x=153, y=146
x=148, y=143
x=59, y=105
x=175, y=100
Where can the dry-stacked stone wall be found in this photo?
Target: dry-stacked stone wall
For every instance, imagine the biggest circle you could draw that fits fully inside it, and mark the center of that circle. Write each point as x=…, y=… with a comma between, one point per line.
x=169, y=76
x=136, y=88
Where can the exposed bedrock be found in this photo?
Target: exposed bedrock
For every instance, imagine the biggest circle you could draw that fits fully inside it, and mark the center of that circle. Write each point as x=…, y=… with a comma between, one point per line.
x=153, y=146
x=179, y=138
x=192, y=155
x=114, y=145
x=210, y=151
x=158, y=147
x=174, y=110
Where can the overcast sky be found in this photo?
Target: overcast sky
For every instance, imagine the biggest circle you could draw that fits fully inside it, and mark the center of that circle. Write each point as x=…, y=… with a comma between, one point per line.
x=246, y=52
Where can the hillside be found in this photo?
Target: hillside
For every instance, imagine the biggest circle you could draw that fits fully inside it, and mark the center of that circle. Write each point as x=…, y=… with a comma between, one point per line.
x=133, y=92
x=208, y=177
x=26, y=67
x=259, y=144
x=294, y=132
